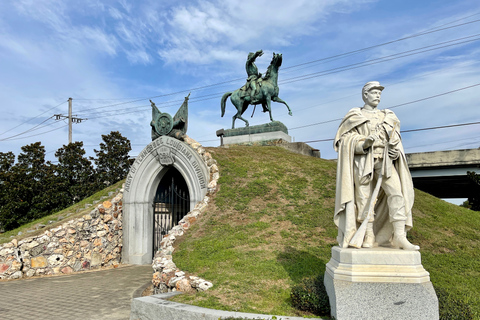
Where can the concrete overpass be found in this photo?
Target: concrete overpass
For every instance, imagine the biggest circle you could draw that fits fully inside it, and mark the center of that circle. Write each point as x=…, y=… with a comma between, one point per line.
x=443, y=174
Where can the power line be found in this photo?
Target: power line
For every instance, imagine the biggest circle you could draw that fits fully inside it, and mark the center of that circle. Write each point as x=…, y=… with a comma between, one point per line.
x=299, y=78
x=396, y=106
x=286, y=68
x=442, y=127
x=413, y=130
x=37, y=127
x=375, y=61
x=32, y=118
x=381, y=44
x=444, y=142
x=36, y=135
x=317, y=74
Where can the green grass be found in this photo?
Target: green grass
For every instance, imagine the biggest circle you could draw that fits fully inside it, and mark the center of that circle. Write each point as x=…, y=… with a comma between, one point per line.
x=7, y=236
x=271, y=225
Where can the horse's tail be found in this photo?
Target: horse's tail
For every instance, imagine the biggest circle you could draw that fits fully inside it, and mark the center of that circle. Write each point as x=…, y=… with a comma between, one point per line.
x=224, y=99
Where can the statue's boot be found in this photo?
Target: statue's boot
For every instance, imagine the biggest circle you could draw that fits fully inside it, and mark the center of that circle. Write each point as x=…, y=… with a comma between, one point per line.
x=369, y=240
x=400, y=237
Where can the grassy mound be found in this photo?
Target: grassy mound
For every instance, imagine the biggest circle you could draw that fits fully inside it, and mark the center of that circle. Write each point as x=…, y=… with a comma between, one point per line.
x=270, y=227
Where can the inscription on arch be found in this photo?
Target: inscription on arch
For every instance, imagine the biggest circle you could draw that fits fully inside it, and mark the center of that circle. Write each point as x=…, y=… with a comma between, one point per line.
x=159, y=148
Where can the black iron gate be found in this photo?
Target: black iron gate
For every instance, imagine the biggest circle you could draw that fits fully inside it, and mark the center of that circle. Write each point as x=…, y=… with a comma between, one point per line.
x=171, y=204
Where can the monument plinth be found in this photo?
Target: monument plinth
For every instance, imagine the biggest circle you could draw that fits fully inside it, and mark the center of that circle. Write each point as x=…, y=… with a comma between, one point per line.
x=379, y=283
x=274, y=132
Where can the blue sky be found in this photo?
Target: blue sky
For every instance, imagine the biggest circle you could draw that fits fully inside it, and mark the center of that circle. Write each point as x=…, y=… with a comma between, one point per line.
x=106, y=54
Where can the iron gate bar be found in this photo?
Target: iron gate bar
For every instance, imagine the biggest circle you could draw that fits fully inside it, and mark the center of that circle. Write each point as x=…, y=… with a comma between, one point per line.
x=170, y=206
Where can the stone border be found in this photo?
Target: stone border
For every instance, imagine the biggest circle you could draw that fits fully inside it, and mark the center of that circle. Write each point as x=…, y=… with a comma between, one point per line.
x=167, y=277
x=157, y=307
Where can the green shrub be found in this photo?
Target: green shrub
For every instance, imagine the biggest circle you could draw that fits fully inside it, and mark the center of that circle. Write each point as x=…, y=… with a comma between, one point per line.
x=310, y=295
x=451, y=307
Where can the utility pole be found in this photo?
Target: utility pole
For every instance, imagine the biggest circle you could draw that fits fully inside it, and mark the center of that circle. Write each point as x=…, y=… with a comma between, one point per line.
x=71, y=119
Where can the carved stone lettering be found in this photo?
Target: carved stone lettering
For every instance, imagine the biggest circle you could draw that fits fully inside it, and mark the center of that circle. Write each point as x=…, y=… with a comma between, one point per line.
x=165, y=156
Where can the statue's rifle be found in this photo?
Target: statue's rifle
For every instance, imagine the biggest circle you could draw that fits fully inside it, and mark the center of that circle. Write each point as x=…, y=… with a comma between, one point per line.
x=357, y=239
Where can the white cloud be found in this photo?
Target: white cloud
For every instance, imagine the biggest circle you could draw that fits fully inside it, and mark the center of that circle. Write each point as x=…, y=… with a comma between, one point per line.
x=206, y=27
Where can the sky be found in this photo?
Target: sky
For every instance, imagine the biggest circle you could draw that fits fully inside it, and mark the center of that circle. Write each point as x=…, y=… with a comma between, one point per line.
x=111, y=57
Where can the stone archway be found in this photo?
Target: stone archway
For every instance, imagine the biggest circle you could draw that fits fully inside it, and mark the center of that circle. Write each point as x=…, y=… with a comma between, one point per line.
x=142, y=181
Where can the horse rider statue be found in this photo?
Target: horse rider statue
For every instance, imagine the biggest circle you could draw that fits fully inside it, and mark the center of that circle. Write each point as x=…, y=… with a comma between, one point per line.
x=253, y=74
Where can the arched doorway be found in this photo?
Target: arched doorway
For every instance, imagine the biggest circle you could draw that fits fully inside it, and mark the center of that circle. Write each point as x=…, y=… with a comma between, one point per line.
x=170, y=205
x=154, y=162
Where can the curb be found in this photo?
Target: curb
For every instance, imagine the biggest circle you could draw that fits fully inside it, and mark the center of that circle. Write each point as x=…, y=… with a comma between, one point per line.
x=156, y=307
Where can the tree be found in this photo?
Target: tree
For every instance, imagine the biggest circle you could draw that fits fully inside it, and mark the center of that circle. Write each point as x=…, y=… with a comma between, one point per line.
x=112, y=162
x=75, y=173
x=474, y=201
x=6, y=163
x=27, y=187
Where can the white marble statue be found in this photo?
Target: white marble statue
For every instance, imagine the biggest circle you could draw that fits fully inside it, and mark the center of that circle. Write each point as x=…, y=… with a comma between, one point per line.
x=370, y=150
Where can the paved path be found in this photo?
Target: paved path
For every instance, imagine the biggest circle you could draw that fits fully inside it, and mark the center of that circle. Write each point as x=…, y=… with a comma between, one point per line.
x=103, y=294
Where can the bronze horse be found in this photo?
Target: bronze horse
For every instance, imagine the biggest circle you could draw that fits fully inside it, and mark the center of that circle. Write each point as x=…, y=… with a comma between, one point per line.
x=266, y=93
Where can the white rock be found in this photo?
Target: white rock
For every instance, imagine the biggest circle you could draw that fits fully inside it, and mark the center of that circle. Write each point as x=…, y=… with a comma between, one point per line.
x=204, y=286
x=180, y=274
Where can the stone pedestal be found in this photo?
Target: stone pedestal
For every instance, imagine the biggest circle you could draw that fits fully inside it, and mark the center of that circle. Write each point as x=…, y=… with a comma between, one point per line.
x=273, y=132
x=379, y=283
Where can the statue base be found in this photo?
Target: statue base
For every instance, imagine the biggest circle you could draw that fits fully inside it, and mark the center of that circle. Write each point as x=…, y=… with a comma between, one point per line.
x=272, y=133
x=379, y=283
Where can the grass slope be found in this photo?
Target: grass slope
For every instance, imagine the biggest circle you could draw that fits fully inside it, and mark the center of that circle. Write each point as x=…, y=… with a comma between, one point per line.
x=271, y=225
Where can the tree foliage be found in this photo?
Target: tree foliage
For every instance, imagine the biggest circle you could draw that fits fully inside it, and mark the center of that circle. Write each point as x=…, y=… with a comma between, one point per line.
x=27, y=187
x=75, y=173
x=474, y=201
x=6, y=178
x=33, y=188
x=112, y=161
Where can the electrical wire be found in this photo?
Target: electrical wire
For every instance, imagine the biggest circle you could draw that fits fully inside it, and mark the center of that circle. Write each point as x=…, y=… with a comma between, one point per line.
x=375, y=61
x=37, y=127
x=32, y=118
x=294, y=79
x=36, y=135
x=294, y=66
x=413, y=130
x=395, y=106
x=308, y=76
x=380, y=45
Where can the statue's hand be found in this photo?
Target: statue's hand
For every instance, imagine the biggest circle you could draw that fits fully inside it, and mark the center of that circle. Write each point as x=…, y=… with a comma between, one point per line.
x=369, y=141
x=393, y=153
x=290, y=113
x=259, y=53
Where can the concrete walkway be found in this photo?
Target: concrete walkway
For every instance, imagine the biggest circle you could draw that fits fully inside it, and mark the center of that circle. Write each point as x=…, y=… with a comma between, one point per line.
x=103, y=294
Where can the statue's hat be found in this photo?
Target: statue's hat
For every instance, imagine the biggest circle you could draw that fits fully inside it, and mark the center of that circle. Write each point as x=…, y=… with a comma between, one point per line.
x=372, y=85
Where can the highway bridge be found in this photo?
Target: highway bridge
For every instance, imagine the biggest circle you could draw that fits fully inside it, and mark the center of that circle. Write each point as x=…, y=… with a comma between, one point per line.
x=443, y=174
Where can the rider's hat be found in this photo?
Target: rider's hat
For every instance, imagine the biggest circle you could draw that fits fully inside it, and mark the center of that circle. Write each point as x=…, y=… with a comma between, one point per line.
x=372, y=85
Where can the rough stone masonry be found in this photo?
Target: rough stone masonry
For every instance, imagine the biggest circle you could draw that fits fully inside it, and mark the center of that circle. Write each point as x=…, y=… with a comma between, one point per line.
x=89, y=242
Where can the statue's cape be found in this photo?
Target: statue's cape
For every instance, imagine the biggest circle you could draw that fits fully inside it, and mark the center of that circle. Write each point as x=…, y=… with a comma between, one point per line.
x=353, y=130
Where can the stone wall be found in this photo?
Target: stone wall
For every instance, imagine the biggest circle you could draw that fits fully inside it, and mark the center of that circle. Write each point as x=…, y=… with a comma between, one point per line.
x=167, y=277
x=89, y=242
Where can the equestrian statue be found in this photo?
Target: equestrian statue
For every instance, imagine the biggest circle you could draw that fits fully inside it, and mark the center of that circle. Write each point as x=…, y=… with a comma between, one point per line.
x=257, y=90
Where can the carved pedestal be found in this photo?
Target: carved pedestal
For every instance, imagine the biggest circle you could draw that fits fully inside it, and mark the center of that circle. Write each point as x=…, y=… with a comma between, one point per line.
x=270, y=133
x=379, y=283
